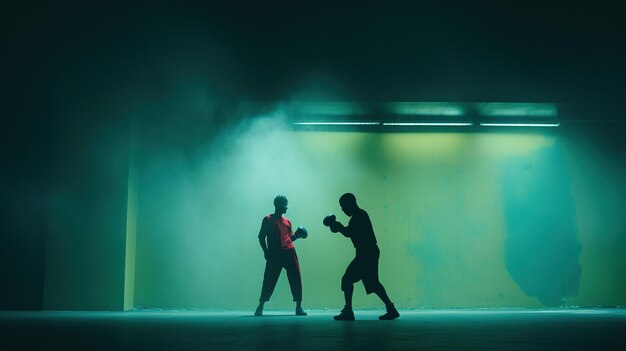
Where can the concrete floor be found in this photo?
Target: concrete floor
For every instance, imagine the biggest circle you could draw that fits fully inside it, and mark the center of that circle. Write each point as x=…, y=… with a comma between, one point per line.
x=572, y=329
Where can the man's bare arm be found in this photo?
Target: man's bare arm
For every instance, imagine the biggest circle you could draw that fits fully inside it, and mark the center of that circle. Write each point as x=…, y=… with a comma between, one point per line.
x=263, y=236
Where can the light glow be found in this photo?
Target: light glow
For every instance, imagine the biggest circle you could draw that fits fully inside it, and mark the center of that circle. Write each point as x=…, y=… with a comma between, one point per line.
x=520, y=124
x=330, y=108
x=437, y=124
x=337, y=123
x=516, y=109
x=425, y=108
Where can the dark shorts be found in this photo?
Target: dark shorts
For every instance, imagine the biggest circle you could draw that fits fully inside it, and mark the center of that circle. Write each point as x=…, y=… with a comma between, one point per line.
x=364, y=267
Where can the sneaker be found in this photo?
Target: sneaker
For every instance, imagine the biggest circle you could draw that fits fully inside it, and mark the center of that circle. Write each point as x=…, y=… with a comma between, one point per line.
x=392, y=313
x=345, y=315
x=259, y=311
x=300, y=311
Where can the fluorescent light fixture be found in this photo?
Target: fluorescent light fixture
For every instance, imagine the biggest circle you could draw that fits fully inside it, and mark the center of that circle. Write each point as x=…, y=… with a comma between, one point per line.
x=425, y=108
x=435, y=124
x=337, y=123
x=495, y=124
x=389, y=115
x=330, y=108
x=516, y=109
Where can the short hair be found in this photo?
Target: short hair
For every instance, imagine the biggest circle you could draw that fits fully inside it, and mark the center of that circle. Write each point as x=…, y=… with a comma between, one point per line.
x=348, y=199
x=280, y=199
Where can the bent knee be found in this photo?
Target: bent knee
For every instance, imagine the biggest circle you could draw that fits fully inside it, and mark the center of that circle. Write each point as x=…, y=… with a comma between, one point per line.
x=346, y=284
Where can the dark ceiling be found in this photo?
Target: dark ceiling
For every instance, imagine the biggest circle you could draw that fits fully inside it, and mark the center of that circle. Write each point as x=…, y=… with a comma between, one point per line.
x=402, y=50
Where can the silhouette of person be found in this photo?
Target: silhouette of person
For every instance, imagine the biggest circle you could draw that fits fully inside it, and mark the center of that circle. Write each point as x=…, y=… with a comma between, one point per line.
x=364, y=266
x=276, y=241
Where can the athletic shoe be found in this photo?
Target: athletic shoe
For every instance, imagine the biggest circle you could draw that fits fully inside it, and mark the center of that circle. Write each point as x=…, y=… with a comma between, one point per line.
x=392, y=313
x=345, y=315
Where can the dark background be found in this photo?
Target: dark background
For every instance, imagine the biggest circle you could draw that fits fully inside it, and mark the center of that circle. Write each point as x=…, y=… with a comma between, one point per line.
x=69, y=68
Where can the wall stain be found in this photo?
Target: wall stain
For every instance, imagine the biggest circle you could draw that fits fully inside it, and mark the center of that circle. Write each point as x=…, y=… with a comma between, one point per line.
x=542, y=249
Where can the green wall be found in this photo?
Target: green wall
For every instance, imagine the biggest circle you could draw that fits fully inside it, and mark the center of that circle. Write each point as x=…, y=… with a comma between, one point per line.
x=488, y=219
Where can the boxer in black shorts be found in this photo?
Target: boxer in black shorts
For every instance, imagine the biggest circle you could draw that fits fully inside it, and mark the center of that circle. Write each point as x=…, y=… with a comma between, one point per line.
x=364, y=266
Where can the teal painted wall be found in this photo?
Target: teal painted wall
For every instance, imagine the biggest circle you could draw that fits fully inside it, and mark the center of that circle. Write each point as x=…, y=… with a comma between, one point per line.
x=493, y=219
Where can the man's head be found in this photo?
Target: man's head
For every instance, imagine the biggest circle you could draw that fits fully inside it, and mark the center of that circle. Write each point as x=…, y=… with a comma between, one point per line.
x=348, y=204
x=280, y=204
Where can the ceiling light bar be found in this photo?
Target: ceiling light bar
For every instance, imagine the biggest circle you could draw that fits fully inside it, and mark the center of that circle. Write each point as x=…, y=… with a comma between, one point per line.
x=425, y=108
x=373, y=123
x=435, y=124
x=330, y=108
x=520, y=124
x=517, y=109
